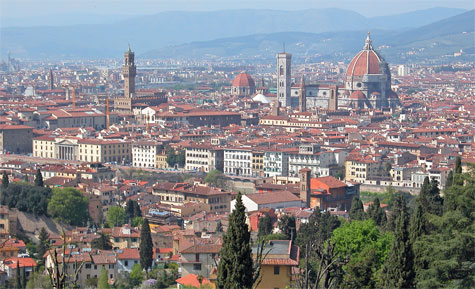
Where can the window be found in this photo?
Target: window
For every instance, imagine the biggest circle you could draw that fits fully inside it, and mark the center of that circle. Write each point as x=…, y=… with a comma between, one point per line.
x=197, y=267
x=126, y=263
x=88, y=266
x=276, y=270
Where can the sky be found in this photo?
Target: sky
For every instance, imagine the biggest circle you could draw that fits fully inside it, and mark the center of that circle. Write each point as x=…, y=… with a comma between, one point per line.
x=27, y=8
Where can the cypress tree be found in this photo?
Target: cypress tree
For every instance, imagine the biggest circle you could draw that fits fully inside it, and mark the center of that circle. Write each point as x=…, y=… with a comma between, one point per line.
x=24, y=277
x=18, y=280
x=398, y=269
x=450, y=179
x=146, y=247
x=458, y=180
x=235, y=267
x=357, y=210
x=418, y=223
x=377, y=213
x=458, y=165
x=5, y=181
x=435, y=200
x=39, y=178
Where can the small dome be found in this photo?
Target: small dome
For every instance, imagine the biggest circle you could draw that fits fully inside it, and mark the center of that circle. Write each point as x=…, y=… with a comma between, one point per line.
x=261, y=98
x=243, y=80
x=357, y=94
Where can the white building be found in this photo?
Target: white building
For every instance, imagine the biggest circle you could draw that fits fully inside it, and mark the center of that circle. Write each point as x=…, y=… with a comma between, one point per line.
x=275, y=200
x=204, y=158
x=276, y=163
x=238, y=161
x=144, y=153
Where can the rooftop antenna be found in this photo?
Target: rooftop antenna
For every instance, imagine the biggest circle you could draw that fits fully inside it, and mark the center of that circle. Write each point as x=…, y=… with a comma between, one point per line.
x=283, y=44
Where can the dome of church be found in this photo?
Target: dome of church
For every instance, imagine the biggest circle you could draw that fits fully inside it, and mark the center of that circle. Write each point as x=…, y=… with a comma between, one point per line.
x=367, y=61
x=261, y=98
x=243, y=80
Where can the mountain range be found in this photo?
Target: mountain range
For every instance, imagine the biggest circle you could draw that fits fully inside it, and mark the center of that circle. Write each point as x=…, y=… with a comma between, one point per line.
x=175, y=33
x=429, y=41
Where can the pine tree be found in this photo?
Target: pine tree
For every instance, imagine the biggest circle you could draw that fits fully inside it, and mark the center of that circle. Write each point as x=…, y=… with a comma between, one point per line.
x=398, y=269
x=377, y=213
x=357, y=210
x=18, y=280
x=43, y=243
x=5, y=181
x=146, y=247
x=39, y=178
x=235, y=266
x=436, y=202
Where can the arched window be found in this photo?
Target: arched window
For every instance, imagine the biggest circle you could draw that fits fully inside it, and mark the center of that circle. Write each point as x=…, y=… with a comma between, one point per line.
x=281, y=69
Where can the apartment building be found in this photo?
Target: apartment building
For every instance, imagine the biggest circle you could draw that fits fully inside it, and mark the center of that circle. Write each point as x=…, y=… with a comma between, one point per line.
x=360, y=170
x=276, y=163
x=204, y=158
x=180, y=193
x=104, y=150
x=144, y=153
x=238, y=161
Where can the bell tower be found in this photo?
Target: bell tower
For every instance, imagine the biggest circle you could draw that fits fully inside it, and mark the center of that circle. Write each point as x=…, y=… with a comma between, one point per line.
x=129, y=72
x=283, y=78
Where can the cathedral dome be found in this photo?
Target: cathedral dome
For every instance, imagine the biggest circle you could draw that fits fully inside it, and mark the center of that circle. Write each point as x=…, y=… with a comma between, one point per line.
x=243, y=80
x=357, y=94
x=367, y=61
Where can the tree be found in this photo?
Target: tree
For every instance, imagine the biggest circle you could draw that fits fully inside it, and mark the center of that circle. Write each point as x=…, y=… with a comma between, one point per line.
x=367, y=249
x=288, y=226
x=357, y=210
x=215, y=178
x=387, y=168
x=398, y=269
x=320, y=226
x=5, y=180
x=146, y=247
x=103, y=281
x=43, y=243
x=116, y=216
x=377, y=213
x=136, y=275
x=23, y=280
x=234, y=269
x=137, y=221
x=18, y=275
x=39, y=178
x=171, y=157
x=70, y=206
x=219, y=227
x=265, y=225
x=444, y=256
x=418, y=225
x=458, y=180
x=450, y=179
x=181, y=158
x=26, y=198
x=102, y=243
x=132, y=209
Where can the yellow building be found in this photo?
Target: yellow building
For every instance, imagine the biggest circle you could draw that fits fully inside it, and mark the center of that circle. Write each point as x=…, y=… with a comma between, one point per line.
x=258, y=163
x=102, y=150
x=276, y=269
x=360, y=170
x=125, y=237
x=162, y=160
x=43, y=147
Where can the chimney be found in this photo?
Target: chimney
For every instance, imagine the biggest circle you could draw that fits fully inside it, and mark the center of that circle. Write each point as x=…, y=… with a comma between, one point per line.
x=305, y=186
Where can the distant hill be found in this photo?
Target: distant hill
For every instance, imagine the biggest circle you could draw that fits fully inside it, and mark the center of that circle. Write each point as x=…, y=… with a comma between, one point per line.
x=434, y=40
x=149, y=32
